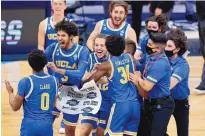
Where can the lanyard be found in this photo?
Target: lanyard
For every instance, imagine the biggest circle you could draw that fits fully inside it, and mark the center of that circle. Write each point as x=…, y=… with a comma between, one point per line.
x=146, y=66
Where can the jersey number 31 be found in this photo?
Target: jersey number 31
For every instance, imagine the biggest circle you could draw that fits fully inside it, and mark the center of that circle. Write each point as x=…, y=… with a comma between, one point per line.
x=124, y=74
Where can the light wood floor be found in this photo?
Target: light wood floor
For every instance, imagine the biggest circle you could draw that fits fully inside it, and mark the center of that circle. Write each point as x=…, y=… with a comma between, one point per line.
x=11, y=121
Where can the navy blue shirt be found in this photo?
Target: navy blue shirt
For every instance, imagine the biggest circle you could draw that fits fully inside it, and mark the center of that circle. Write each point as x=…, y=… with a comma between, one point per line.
x=158, y=71
x=180, y=71
x=143, y=43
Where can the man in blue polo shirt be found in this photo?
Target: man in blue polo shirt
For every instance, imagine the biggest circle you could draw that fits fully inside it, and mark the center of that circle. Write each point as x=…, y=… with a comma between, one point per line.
x=176, y=47
x=156, y=81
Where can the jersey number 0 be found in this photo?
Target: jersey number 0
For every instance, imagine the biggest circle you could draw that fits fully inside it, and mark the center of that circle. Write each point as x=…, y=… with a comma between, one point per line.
x=45, y=101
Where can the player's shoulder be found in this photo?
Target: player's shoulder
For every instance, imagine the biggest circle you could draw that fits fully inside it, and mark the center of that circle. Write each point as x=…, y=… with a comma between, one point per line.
x=43, y=22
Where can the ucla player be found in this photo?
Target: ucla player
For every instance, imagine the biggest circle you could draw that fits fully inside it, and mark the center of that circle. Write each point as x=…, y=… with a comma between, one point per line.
x=37, y=93
x=47, y=34
x=115, y=25
x=92, y=121
x=125, y=113
x=69, y=62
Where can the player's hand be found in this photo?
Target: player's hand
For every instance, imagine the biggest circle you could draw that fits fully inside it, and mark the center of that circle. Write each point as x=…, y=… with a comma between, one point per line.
x=96, y=66
x=52, y=66
x=158, y=11
x=103, y=80
x=134, y=78
x=9, y=88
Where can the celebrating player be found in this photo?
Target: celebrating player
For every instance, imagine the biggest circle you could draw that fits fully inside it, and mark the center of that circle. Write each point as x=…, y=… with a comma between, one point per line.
x=37, y=93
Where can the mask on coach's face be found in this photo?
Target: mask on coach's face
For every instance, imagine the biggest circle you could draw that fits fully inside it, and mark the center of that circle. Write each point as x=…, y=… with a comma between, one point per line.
x=149, y=50
x=151, y=31
x=170, y=53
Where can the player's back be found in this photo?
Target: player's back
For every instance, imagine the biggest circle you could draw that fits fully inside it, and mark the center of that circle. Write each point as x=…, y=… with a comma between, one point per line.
x=106, y=30
x=40, y=98
x=121, y=88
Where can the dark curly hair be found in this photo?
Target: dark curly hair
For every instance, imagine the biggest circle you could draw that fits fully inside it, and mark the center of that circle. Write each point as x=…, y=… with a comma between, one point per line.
x=69, y=27
x=160, y=19
x=37, y=60
x=179, y=38
x=158, y=38
x=115, y=45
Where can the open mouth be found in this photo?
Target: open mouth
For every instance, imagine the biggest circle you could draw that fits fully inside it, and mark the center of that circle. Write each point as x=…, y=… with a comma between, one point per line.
x=99, y=53
x=62, y=43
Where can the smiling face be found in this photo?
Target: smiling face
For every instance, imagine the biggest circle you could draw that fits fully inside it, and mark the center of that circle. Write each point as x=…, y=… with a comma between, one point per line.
x=100, y=48
x=58, y=7
x=118, y=15
x=63, y=39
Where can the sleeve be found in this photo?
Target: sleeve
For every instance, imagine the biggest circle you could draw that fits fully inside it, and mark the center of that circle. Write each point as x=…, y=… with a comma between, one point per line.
x=82, y=65
x=157, y=71
x=49, y=51
x=180, y=74
x=143, y=44
x=24, y=86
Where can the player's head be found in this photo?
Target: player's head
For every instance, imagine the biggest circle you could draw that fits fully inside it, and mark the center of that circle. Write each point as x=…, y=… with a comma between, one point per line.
x=130, y=46
x=115, y=45
x=99, y=46
x=58, y=7
x=156, y=23
x=177, y=43
x=37, y=60
x=156, y=43
x=118, y=12
x=66, y=30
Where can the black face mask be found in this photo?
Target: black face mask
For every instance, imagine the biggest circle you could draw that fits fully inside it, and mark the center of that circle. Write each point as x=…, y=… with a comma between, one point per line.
x=151, y=31
x=149, y=50
x=170, y=53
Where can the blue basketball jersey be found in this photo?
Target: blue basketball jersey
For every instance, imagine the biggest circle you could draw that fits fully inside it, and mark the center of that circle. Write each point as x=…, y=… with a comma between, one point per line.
x=51, y=35
x=66, y=59
x=106, y=30
x=106, y=98
x=121, y=88
x=39, y=100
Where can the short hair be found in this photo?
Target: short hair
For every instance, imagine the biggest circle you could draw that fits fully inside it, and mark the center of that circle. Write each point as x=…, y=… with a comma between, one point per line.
x=69, y=27
x=132, y=44
x=62, y=0
x=100, y=36
x=161, y=20
x=179, y=38
x=37, y=60
x=158, y=38
x=118, y=3
x=115, y=45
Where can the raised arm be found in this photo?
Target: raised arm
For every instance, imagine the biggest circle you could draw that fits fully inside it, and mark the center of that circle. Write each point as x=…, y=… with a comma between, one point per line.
x=92, y=36
x=41, y=35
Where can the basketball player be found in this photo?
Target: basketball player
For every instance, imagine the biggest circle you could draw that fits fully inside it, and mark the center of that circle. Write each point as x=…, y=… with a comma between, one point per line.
x=92, y=121
x=69, y=62
x=37, y=93
x=46, y=33
x=125, y=113
x=115, y=25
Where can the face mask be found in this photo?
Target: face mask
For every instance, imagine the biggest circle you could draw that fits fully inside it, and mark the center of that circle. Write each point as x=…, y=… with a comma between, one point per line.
x=149, y=50
x=151, y=31
x=170, y=53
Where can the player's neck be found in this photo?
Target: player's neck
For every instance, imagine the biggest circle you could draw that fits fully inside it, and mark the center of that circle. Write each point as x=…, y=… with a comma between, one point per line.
x=70, y=45
x=58, y=18
x=34, y=72
x=112, y=26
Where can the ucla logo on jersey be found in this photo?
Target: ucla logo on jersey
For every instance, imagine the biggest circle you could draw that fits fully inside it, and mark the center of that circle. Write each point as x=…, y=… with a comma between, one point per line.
x=57, y=52
x=49, y=27
x=75, y=57
x=122, y=33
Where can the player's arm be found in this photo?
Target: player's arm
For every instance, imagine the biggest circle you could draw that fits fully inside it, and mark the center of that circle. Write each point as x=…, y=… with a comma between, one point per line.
x=41, y=35
x=92, y=36
x=78, y=73
x=131, y=34
x=99, y=71
x=14, y=101
x=178, y=75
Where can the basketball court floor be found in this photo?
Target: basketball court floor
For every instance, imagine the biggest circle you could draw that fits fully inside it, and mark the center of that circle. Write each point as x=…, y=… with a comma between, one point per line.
x=14, y=71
